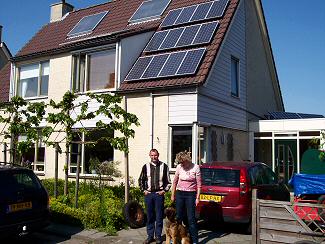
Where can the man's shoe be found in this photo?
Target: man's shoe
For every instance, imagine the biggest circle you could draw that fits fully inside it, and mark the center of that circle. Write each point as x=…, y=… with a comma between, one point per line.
x=148, y=241
x=159, y=241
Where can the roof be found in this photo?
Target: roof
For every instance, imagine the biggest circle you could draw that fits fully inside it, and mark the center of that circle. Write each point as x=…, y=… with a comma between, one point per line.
x=230, y=164
x=5, y=83
x=288, y=115
x=114, y=26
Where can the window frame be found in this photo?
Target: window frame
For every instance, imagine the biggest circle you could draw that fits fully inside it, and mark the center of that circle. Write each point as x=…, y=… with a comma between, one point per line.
x=234, y=80
x=76, y=70
x=39, y=79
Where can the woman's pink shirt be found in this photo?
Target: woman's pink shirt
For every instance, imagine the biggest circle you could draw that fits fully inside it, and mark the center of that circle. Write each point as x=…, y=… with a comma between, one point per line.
x=187, y=180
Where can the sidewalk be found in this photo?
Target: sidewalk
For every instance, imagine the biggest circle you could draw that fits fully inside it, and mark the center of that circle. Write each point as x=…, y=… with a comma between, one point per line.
x=137, y=236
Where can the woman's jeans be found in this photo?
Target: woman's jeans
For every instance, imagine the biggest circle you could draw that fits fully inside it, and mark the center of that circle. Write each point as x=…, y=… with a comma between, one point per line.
x=185, y=206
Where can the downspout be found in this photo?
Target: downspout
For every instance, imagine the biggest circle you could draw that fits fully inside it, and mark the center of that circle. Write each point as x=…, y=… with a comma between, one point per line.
x=126, y=162
x=152, y=111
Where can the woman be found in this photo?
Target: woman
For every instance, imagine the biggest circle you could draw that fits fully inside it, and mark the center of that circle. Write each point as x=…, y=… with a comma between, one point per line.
x=186, y=191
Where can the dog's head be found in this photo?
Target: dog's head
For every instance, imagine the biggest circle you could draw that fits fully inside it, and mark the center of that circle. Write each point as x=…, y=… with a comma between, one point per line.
x=170, y=214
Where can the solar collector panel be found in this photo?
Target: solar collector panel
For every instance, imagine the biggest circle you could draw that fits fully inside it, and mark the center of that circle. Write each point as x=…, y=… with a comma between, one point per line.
x=171, y=38
x=185, y=15
x=206, y=32
x=171, y=17
x=191, y=62
x=201, y=11
x=188, y=36
x=217, y=9
x=156, y=41
x=138, y=68
x=172, y=64
x=155, y=66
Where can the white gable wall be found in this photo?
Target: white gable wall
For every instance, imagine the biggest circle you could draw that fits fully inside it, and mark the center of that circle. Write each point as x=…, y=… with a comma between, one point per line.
x=215, y=104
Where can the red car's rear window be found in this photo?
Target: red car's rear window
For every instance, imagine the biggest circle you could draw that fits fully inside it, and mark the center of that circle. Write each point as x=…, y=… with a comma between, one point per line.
x=220, y=177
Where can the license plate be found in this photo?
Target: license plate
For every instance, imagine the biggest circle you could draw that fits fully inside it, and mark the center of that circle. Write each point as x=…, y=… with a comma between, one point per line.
x=212, y=198
x=19, y=206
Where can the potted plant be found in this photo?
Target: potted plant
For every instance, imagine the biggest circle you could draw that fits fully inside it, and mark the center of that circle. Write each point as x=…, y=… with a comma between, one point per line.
x=93, y=165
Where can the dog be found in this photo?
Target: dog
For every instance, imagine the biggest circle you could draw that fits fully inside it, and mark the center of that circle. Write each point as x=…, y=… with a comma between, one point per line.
x=175, y=231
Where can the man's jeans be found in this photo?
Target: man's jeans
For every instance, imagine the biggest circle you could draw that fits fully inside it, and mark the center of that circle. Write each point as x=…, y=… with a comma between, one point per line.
x=155, y=214
x=185, y=206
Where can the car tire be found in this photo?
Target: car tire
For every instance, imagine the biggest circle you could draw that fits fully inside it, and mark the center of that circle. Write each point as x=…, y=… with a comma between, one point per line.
x=134, y=214
x=321, y=211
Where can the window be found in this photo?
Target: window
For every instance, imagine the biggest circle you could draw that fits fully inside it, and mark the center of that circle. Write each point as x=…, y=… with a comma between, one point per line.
x=87, y=24
x=35, y=156
x=181, y=140
x=94, y=71
x=234, y=77
x=93, y=149
x=150, y=9
x=33, y=80
x=202, y=144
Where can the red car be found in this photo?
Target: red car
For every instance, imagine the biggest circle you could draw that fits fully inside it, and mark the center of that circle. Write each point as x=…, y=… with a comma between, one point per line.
x=226, y=192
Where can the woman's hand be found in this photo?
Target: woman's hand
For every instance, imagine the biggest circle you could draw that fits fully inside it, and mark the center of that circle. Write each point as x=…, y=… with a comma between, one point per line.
x=197, y=201
x=172, y=198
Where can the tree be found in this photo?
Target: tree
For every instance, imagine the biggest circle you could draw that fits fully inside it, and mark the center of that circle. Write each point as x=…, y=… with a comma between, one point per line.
x=22, y=118
x=119, y=121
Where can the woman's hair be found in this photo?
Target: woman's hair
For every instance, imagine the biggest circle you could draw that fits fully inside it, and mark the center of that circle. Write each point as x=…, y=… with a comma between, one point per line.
x=183, y=156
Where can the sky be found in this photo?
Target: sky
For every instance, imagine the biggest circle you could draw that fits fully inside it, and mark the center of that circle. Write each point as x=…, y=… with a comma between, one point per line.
x=296, y=29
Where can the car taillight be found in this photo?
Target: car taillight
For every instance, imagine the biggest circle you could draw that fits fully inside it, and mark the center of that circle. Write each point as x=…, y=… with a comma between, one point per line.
x=243, y=183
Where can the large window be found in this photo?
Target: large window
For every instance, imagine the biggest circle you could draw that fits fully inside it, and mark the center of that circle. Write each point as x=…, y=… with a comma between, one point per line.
x=33, y=80
x=35, y=156
x=181, y=140
x=89, y=148
x=234, y=77
x=94, y=71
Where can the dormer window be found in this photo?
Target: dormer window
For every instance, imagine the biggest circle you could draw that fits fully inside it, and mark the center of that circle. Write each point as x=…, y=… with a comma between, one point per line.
x=149, y=10
x=87, y=24
x=94, y=71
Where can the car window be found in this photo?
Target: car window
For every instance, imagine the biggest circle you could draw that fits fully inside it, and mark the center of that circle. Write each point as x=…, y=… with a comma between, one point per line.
x=220, y=177
x=26, y=180
x=257, y=176
x=269, y=175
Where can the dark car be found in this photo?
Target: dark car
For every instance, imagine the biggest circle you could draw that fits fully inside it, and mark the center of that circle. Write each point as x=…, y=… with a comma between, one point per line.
x=226, y=192
x=24, y=202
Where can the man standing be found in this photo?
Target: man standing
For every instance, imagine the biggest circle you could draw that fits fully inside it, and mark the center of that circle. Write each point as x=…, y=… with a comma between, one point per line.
x=154, y=181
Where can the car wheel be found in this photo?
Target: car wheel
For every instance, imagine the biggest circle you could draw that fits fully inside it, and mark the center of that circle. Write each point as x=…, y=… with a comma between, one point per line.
x=134, y=214
x=321, y=211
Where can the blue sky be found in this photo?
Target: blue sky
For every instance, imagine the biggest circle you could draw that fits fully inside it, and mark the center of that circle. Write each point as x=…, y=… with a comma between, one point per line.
x=296, y=29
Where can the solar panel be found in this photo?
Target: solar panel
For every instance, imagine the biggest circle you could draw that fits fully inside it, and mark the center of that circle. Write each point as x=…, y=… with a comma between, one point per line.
x=87, y=24
x=171, y=66
x=206, y=32
x=155, y=66
x=290, y=115
x=191, y=62
x=171, y=38
x=156, y=41
x=217, y=9
x=185, y=15
x=138, y=68
x=165, y=65
x=201, y=11
x=171, y=17
x=188, y=36
x=193, y=13
x=149, y=10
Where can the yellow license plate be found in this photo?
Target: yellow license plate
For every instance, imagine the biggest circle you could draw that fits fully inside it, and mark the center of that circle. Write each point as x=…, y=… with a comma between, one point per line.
x=212, y=198
x=19, y=206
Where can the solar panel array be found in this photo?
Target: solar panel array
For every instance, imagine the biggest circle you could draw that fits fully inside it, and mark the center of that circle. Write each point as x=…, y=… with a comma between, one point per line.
x=203, y=11
x=288, y=115
x=182, y=36
x=167, y=64
x=87, y=24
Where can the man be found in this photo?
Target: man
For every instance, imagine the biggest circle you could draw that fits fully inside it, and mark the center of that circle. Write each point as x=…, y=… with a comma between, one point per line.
x=154, y=181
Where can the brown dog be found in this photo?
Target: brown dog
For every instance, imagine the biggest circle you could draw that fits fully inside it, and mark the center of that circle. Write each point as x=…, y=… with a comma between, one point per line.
x=175, y=231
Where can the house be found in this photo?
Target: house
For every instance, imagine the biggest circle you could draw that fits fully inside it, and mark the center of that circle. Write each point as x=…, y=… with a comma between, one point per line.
x=5, y=55
x=194, y=72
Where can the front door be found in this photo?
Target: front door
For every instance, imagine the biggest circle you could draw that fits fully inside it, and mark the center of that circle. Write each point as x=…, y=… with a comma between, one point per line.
x=285, y=158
